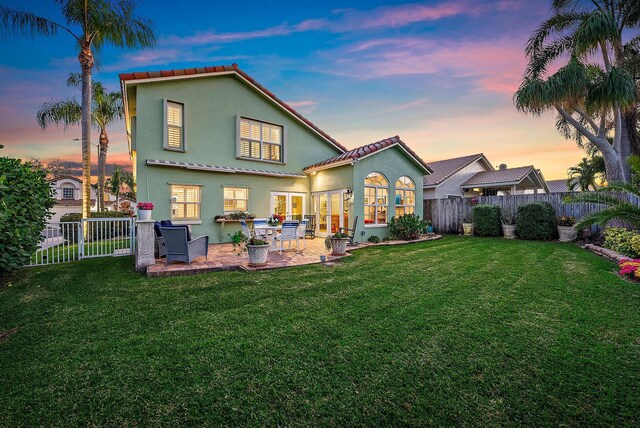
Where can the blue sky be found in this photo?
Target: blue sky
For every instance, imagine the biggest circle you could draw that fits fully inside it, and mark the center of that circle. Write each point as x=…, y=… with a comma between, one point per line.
x=440, y=74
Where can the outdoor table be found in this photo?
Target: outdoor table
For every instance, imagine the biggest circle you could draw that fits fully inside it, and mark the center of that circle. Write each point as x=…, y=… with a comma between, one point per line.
x=273, y=229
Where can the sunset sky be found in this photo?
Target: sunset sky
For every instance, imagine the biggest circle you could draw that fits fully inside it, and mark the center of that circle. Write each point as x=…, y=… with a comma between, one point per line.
x=441, y=74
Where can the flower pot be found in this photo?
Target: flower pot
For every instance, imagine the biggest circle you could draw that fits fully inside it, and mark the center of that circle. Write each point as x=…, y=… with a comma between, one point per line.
x=258, y=254
x=468, y=228
x=144, y=215
x=567, y=233
x=339, y=246
x=429, y=229
x=509, y=231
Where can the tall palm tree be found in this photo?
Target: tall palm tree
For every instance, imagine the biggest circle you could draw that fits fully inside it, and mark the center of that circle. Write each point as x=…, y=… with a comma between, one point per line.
x=615, y=197
x=118, y=179
x=106, y=108
x=589, y=98
x=586, y=174
x=93, y=24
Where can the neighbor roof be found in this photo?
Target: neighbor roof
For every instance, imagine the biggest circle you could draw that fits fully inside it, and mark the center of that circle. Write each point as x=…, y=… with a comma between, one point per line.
x=223, y=69
x=354, y=155
x=505, y=177
x=445, y=169
x=558, y=186
x=64, y=177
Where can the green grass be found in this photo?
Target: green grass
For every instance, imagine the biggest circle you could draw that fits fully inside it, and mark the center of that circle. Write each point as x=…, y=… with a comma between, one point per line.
x=67, y=253
x=461, y=331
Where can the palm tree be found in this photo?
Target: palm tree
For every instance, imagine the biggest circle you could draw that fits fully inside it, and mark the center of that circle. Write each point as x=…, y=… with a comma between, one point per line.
x=93, y=24
x=616, y=197
x=117, y=180
x=106, y=108
x=586, y=174
x=589, y=99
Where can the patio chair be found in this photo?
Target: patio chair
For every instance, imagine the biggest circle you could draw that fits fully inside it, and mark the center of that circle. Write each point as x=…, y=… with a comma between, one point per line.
x=350, y=232
x=159, y=244
x=289, y=233
x=180, y=249
x=302, y=232
x=310, y=230
x=258, y=228
x=245, y=229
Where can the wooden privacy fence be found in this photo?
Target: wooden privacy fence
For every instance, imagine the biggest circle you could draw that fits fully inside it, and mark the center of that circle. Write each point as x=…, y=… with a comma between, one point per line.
x=447, y=214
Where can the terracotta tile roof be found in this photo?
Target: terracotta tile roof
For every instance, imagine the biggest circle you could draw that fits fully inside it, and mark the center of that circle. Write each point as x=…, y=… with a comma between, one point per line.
x=65, y=177
x=444, y=169
x=368, y=149
x=126, y=77
x=506, y=176
x=557, y=186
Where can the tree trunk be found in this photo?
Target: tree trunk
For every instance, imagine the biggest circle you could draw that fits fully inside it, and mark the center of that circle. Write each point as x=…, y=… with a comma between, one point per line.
x=86, y=63
x=102, y=165
x=630, y=120
x=626, y=146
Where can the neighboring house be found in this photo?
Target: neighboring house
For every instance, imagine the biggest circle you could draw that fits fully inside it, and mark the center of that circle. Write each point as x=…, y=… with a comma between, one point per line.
x=558, y=186
x=474, y=175
x=210, y=141
x=68, y=195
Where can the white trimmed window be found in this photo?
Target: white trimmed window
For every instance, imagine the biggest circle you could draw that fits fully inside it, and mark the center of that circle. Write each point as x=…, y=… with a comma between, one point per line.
x=405, y=196
x=260, y=141
x=174, y=126
x=376, y=195
x=68, y=192
x=185, y=202
x=235, y=199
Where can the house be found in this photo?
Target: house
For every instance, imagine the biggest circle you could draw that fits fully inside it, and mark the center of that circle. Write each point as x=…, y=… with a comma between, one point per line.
x=474, y=175
x=558, y=186
x=211, y=141
x=68, y=196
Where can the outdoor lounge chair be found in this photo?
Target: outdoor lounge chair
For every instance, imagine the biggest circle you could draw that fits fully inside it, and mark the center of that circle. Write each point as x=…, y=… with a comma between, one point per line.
x=245, y=229
x=302, y=232
x=159, y=244
x=310, y=230
x=289, y=233
x=179, y=248
x=350, y=232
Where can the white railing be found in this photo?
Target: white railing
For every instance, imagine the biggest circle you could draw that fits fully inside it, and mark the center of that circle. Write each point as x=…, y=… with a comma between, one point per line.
x=88, y=238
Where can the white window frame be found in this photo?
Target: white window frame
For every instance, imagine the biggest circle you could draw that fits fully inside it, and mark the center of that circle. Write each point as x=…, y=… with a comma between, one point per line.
x=165, y=126
x=376, y=205
x=198, y=204
x=403, y=192
x=68, y=187
x=262, y=143
x=225, y=199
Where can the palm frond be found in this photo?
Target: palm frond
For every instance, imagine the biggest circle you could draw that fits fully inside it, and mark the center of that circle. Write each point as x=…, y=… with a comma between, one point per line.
x=25, y=23
x=625, y=212
x=59, y=112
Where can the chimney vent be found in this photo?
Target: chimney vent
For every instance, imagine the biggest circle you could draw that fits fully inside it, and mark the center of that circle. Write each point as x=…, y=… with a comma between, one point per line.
x=502, y=166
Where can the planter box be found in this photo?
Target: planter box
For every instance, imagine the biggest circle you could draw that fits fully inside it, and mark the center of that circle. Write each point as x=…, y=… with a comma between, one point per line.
x=509, y=231
x=258, y=254
x=468, y=228
x=339, y=246
x=567, y=233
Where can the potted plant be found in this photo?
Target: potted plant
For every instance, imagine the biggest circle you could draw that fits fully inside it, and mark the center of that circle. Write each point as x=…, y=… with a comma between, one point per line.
x=508, y=223
x=144, y=210
x=467, y=224
x=337, y=243
x=566, y=229
x=258, y=251
x=429, y=226
x=275, y=220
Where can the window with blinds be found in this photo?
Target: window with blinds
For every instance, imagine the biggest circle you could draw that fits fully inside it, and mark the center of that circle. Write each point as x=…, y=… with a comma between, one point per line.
x=185, y=202
x=235, y=199
x=174, y=126
x=260, y=140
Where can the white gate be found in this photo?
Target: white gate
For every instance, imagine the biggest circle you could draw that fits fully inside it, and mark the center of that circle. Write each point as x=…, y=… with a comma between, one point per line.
x=88, y=238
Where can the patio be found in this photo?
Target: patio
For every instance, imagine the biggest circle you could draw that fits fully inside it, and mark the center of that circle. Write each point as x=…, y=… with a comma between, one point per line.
x=225, y=257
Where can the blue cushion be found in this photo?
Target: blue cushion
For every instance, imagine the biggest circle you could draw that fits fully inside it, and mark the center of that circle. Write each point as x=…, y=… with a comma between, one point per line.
x=156, y=227
x=166, y=223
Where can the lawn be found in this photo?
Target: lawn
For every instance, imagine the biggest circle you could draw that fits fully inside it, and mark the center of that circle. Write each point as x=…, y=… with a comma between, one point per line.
x=461, y=331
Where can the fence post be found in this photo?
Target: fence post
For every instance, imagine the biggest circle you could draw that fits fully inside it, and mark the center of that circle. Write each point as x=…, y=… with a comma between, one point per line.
x=144, y=248
x=80, y=239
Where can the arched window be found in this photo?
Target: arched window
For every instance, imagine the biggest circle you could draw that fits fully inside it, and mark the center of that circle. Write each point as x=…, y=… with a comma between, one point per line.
x=376, y=195
x=405, y=196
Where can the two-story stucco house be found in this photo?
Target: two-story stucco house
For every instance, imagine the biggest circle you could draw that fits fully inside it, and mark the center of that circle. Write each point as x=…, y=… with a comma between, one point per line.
x=67, y=191
x=211, y=141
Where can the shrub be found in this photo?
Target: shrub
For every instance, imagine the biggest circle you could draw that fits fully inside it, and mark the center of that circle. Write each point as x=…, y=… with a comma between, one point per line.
x=97, y=230
x=535, y=221
x=25, y=202
x=406, y=227
x=373, y=239
x=623, y=241
x=486, y=220
x=386, y=239
x=566, y=220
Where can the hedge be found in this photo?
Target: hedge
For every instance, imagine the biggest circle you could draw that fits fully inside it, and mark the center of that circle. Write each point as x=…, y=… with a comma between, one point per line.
x=406, y=227
x=536, y=221
x=486, y=220
x=98, y=230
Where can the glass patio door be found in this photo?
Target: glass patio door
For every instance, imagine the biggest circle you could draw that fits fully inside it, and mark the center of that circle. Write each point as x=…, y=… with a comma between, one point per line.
x=288, y=205
x=331, y=211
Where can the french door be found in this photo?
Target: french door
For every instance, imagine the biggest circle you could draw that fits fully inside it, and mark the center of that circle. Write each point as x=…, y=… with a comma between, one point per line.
x=331, y=211
x=289, y=205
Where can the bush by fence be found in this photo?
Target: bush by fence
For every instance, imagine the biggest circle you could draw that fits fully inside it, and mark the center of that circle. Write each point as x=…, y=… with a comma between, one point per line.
x=486, y=220
x=536, y=221
x=406, y=227
x=97, y=230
